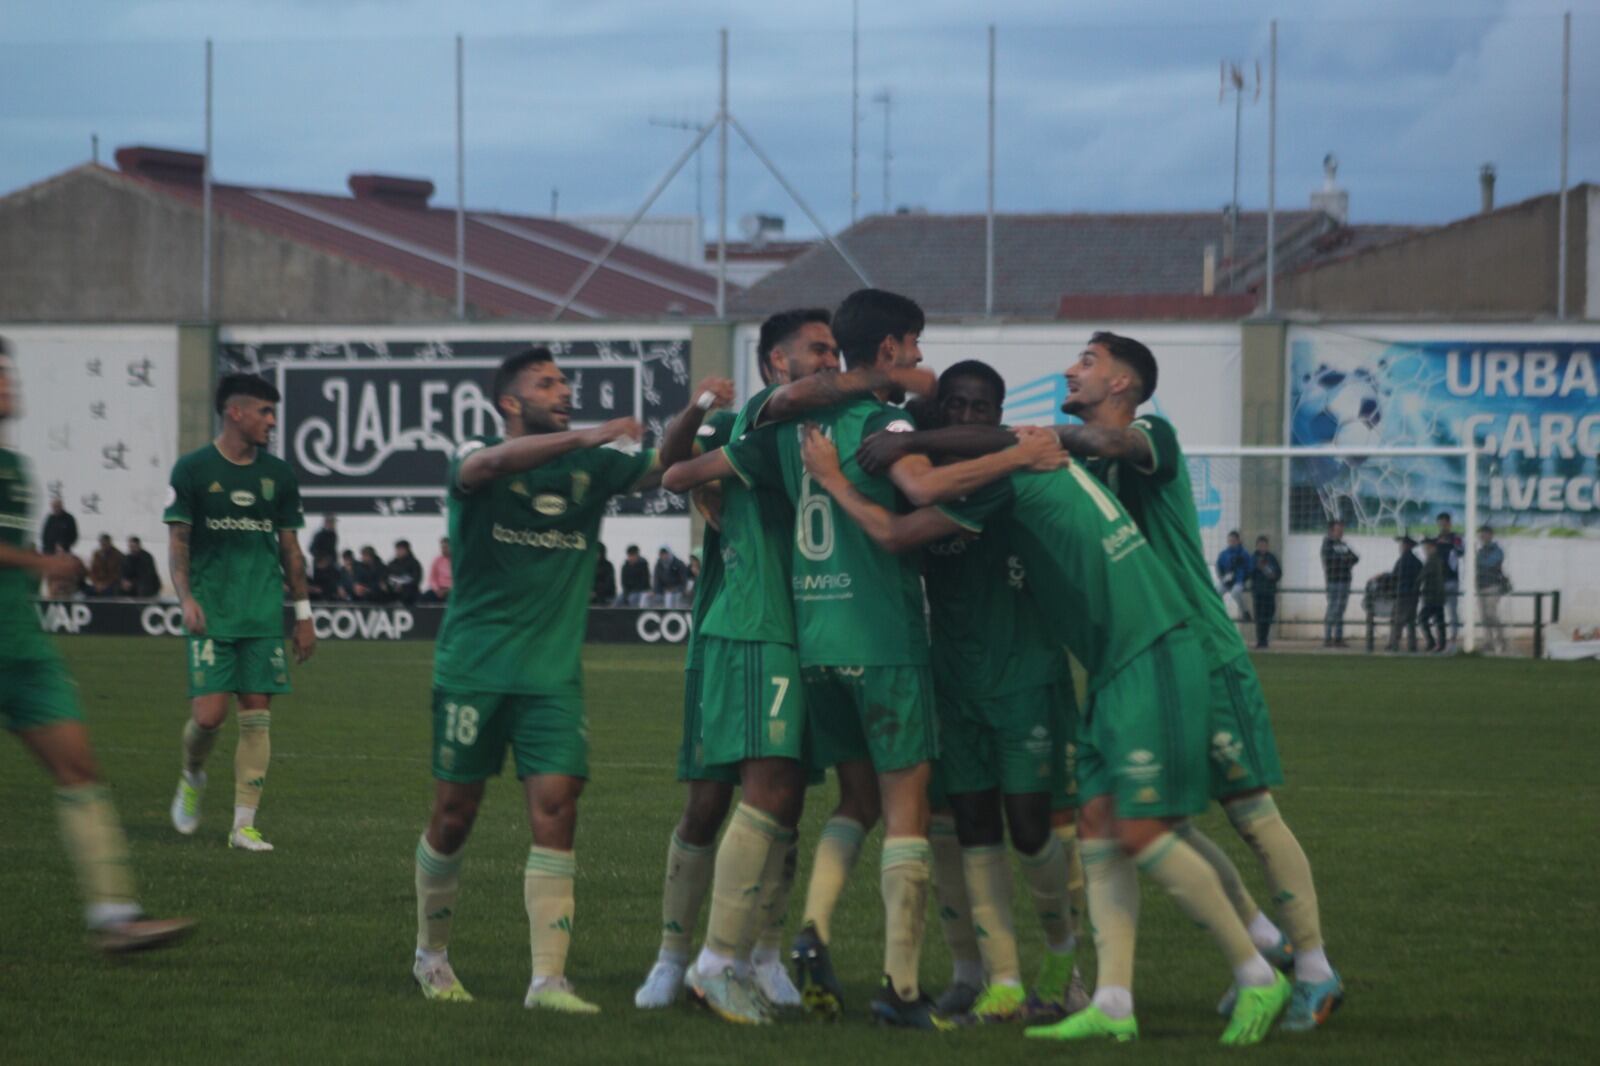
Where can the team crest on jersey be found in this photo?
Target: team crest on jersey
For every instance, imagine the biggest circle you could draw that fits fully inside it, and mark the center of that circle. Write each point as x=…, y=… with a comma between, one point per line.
x=548, y=503
x=519, y=487
x=268, y=487
x=580, y=485
x=242, y=497
x=216, y=486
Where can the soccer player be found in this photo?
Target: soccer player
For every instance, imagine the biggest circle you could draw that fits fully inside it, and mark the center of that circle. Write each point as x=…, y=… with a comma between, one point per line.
x=1139, y=459
x=524, y=521
x=1005, y=706
x=752, y=711
x=39, y=705
x=234, y=514
x=862, y=641
x=1141, y=754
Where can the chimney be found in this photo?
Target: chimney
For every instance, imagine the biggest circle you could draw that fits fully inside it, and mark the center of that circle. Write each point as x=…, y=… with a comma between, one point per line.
x=1330, y=199
x=389, y=190
x=1208, y=271
x=1486, y=186
x=162, y=164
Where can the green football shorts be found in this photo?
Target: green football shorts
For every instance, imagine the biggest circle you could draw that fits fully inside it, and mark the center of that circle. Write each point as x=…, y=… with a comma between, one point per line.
x=1244, y=751
x=751, y=706
x=1005, y=742
x=881, y=713
x=37, y=692
x=247, y=665
x=1144, y=738
x=547, y=734
x=691, y=751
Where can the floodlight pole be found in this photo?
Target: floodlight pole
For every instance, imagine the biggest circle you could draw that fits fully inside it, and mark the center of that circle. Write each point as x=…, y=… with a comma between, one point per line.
x=205, y=204
x=1272, y=174
x=722, y=183
x=1566, y=105
x=855, y=106
x=461, y=185
x=988, y=256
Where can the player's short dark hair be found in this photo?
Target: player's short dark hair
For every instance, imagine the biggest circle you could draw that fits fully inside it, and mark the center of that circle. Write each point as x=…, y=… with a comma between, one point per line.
x=780, y=328
x=257, y=388
x=866, y=317
x=513, y=366
x=1133, y=355
x=978, y=370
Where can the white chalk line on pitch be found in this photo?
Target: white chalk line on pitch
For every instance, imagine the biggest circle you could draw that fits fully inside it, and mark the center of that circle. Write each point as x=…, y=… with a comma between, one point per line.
x=669, y=764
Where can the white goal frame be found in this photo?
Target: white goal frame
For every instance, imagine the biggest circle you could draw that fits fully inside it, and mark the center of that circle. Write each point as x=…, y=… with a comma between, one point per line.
x=1468, y=572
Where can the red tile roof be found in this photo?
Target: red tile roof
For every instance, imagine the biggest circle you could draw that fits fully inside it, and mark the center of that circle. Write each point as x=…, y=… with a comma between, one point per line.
x=516, y=266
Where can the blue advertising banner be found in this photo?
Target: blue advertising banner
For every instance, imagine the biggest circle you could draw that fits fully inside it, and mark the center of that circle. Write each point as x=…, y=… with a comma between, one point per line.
x=1531, y=405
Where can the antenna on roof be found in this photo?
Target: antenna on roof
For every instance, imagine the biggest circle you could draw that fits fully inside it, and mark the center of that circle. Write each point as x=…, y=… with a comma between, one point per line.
x=1233, y=77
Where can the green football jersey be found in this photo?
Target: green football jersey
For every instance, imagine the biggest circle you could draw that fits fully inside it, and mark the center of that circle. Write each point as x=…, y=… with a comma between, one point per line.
x=523, y=549
x=20, y=635
x=1099, y=587
x=234, y=512
x=1161, y=500
x=756, y=603
x=854, y=603
x=988, y=636
x=715, y=431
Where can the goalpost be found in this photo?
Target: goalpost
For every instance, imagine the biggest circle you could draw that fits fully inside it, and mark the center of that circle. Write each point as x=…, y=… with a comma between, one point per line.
x=1290, y=494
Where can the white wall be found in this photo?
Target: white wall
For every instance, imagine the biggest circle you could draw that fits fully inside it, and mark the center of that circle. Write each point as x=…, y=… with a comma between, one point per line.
x=99, y=420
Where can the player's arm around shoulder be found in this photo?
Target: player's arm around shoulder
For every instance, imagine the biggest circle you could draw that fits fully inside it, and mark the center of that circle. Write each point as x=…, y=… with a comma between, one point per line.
x=478, y=463
x=926, y=485
x=894, y=533
x=1148, y=444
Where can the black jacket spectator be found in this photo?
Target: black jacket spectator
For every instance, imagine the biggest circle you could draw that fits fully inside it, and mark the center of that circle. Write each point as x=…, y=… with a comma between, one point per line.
x=1265, y=573
x=1407, y=574
x=605, y=581
x=671, y=575
x=1338, y=560
x=635, y=577
x=139, y=576
x=325, y=579
x=60, y=529
x=326, y=540
x=369, y=584
x=404, y=574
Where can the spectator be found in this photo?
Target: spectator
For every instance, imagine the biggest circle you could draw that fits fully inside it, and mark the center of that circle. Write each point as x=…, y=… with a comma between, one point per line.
x=403, y=576
x=139, y=576
x=1492, y=584
x=369, y=577
x=60, y=529
x=1435, y=579
x=671, y=578
x=347, y=575
x=1338, y=560
x=1264, y=574
x=1407, y=577
x=635, y=578
x=325, y=579
x=1451, y=547
x=105, y=568
x=605, y=581
x=441, y=577
x=326, y=540
x=694, y=573
x=67, y=586
x=1233, y=568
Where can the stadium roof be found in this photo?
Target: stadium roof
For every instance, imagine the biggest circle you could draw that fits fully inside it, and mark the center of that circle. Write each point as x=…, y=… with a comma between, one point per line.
x=1050, y=264
x=516, y=265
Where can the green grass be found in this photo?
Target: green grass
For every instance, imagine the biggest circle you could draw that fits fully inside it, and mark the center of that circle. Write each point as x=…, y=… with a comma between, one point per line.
x=1450, y=810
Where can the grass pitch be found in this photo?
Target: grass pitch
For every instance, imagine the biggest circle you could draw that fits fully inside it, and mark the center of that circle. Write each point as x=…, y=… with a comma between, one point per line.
x=1450, y=809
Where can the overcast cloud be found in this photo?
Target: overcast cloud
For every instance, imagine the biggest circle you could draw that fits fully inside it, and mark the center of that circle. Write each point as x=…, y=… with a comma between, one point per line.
x=1102, y=107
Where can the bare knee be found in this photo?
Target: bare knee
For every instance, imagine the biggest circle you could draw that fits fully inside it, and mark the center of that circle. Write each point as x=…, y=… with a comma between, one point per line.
x=553, y=809
x=454, y=812
x=704, y=809
x=1136, y=834
x=858, y=794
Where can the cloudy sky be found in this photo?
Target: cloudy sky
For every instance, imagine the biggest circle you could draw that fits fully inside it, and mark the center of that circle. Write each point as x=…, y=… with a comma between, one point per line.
x=1101, y=106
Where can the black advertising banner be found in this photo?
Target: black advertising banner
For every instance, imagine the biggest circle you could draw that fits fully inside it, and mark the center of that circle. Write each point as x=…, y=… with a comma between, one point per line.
x=369, y=426
x=127, y=618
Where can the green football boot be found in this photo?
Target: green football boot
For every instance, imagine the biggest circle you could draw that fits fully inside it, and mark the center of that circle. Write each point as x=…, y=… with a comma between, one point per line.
x=1091, y=1023
x=1254, y=1011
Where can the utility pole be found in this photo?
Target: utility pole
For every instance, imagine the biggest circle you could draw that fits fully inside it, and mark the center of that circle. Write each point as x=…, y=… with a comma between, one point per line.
x=1233, y=77
x=855, y=106
x=884, y=97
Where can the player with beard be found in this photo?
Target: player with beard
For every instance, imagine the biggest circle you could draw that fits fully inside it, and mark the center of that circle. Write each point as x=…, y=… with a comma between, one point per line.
x=524, y=520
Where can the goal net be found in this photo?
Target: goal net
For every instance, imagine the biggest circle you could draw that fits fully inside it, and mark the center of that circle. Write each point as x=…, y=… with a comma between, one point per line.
x=1290, y=495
